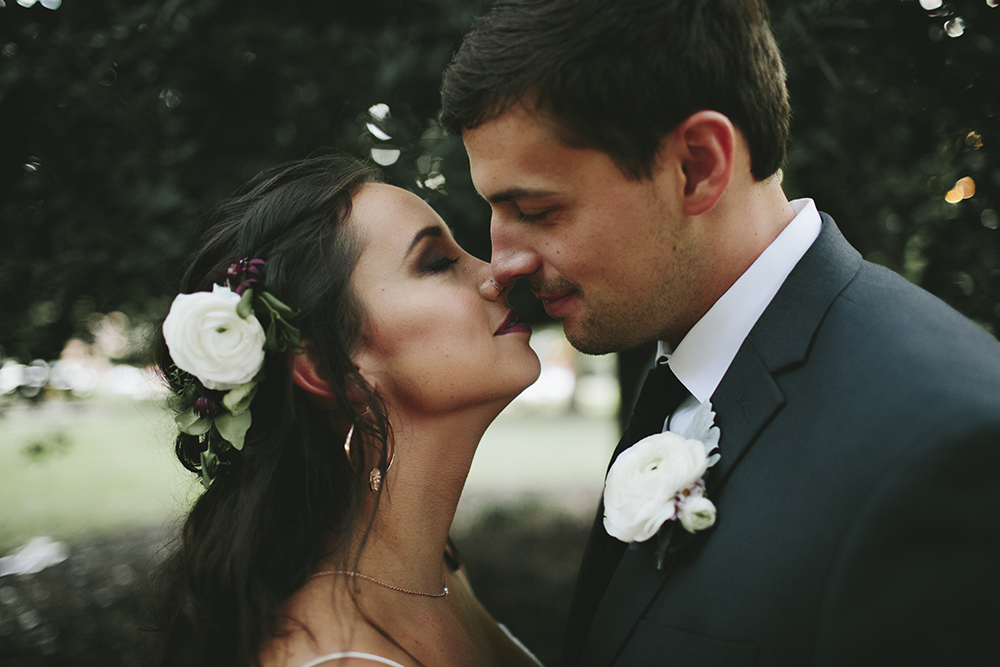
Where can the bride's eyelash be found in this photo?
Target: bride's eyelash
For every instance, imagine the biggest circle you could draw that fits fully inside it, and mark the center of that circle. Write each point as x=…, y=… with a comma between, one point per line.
x=443, y=264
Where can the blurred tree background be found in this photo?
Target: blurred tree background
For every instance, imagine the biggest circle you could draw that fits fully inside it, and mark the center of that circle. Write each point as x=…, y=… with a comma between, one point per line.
x=895, y=131
x=122, y=121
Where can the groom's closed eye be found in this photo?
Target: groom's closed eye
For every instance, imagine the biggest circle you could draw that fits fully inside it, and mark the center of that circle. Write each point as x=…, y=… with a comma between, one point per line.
x=533, y=217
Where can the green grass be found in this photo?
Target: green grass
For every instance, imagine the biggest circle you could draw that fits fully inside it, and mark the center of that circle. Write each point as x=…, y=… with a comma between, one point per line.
x=537, y=453
x=72, y=468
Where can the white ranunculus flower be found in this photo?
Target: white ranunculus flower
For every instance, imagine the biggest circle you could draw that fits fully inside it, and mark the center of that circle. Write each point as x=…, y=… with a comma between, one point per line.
x=697, y=513
x=641, y=485
x=208, y=339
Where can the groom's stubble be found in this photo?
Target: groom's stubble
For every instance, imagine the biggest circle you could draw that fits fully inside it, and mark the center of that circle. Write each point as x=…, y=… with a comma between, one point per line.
x=623, y=320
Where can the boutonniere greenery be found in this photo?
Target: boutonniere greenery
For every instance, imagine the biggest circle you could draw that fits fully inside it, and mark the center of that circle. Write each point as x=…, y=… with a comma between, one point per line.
x=218, y=344
x=659, y=482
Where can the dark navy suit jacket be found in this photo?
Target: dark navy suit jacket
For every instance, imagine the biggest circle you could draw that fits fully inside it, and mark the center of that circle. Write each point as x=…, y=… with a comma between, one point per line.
x=858, y=494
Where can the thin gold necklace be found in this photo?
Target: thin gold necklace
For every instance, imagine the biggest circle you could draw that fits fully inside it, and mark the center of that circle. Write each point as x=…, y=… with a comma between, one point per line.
x=348, y=573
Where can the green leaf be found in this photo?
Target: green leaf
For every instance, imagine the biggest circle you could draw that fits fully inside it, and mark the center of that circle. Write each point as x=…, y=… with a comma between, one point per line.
x=238, y=399
x=190, y=423
x=282, y=336
x=209, y=466
x=271, y=339
x=233, y=428
x=276, y=306
x=293, y=337
x=245, y=307
x=189, y=393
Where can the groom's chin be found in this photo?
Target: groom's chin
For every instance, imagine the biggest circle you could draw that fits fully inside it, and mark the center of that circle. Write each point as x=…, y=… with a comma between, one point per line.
x=583, y=338
x=596, y=337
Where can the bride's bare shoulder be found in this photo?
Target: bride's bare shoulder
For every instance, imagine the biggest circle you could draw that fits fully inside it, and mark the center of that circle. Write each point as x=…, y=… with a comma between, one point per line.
x=320, y=625
x=309, y=654
x=355, y=659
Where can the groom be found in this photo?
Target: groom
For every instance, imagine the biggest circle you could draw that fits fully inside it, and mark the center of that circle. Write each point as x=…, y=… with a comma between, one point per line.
x=630, y=151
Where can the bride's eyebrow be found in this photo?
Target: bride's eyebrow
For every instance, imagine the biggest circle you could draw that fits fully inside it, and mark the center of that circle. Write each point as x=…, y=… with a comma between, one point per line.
x=431, y=230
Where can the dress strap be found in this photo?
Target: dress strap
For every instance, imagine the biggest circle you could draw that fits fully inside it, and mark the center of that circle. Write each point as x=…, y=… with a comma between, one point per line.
x=351, y=654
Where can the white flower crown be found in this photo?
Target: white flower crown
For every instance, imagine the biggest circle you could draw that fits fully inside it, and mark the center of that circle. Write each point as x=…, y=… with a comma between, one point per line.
x=218, y=345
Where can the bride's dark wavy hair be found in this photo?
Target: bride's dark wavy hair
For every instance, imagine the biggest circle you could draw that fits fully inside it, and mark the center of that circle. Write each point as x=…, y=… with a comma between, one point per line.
x=290, y=497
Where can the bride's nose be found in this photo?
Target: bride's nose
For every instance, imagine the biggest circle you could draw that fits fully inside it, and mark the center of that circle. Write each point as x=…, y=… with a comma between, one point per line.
x=487, y=286
x=490, y=290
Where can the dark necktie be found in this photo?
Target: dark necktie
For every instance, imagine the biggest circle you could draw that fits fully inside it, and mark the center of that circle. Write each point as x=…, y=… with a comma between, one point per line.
x=660, y=395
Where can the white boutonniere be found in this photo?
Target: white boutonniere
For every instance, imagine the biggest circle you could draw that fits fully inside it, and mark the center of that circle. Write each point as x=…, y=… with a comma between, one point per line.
x=659, y=482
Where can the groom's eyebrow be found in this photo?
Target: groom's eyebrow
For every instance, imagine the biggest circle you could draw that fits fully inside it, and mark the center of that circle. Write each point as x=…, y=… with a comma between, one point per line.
x=430, y=230
x=511, y=194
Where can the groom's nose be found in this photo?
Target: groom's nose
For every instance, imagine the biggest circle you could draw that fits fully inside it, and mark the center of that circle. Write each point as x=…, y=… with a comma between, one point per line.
x=512, y=257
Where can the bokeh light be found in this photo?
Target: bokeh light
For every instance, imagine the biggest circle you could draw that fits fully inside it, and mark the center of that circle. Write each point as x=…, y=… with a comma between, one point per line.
x=385, y=156
x=964, y=188
x=955, y=27
x=379, y=111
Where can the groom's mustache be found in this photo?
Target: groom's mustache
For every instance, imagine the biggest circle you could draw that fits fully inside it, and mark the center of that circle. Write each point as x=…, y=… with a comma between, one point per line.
x=552, y=287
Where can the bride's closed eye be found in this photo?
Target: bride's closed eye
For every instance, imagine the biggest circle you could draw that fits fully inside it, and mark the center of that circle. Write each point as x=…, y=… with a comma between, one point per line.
x=440, y=264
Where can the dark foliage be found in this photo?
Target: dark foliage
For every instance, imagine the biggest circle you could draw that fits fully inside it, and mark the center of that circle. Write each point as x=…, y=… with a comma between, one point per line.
x=890, y=112
x=120, y=122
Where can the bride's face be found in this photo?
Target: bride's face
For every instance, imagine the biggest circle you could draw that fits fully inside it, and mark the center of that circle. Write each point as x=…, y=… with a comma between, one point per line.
x=437, y=337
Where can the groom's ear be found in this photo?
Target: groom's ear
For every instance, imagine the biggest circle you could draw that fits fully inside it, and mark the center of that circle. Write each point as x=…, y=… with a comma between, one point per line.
x=702, y=150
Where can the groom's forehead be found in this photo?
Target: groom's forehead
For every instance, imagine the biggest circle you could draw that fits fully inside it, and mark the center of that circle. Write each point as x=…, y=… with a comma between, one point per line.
x=520, y=153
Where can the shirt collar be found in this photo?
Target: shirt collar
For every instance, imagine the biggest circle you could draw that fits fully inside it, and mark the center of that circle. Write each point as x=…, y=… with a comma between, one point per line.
x=703, y=356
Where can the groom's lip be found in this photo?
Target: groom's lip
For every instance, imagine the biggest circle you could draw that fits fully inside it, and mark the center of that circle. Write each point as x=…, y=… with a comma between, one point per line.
x=558, y=304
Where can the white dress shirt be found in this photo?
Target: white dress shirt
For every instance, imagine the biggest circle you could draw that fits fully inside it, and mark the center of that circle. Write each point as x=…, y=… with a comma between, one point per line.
x=703, y=356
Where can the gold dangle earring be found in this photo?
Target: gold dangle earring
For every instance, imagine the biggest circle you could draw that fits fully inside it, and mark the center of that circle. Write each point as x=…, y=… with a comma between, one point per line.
x=350, y=434
x=375, y=476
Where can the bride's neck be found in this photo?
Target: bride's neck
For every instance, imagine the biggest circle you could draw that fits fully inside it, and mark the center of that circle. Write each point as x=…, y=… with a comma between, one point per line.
x=420, y=493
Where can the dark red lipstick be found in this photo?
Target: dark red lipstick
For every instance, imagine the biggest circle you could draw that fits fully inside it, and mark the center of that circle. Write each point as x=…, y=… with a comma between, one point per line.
x=511, y=325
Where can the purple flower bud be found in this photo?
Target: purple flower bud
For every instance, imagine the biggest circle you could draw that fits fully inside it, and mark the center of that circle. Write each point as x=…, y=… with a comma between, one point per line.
x=205, y=408
x=245, y=285
x=245, y=272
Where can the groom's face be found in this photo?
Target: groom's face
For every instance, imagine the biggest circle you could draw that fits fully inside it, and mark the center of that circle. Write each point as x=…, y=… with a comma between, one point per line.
x=612, y=258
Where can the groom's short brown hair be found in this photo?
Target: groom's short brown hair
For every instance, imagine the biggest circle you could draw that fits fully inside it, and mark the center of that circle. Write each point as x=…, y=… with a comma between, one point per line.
x=619, y=75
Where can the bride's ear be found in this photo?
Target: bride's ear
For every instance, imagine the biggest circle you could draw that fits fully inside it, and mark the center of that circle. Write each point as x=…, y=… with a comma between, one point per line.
x=306, y=375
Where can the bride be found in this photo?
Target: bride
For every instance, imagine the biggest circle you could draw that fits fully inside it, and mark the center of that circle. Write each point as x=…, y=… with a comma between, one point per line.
x=335, y=358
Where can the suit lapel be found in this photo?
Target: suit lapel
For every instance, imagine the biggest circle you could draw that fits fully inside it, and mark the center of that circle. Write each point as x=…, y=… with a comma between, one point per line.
x=661, y=393
x=749, y=396
x=633, y=586
x=745, y=401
